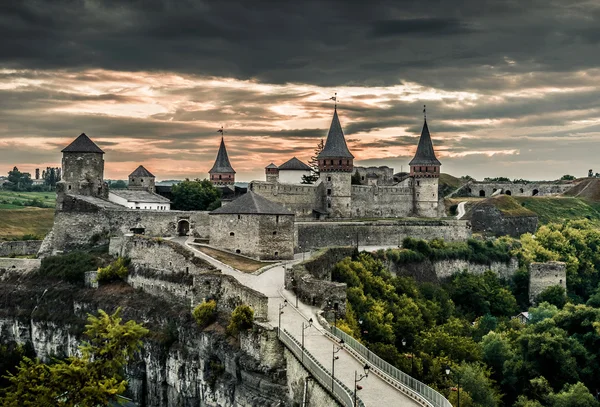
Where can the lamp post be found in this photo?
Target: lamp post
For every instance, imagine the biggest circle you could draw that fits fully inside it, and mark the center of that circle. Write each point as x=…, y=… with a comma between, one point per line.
x=358, y=378
x=281, y=307
x=336, y=349
x=457, y=384
x=310, y=321
x=295, y=285
x=333, y=306
x=410, y=356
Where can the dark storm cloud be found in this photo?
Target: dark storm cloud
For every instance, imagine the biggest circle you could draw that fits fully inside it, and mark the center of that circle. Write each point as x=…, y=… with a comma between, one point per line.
x=445, y=44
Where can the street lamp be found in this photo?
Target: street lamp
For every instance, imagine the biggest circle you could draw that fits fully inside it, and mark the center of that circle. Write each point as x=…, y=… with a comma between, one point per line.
x=295, y=285
x=333, y=306
x=310, y=321
x=457, y=384
x=410, y=356
x=358, y=378
x=281, y=307
x=336, y=349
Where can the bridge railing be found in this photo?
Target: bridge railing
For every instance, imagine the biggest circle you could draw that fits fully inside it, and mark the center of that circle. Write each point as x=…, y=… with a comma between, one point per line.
x=340, y=391
x=430, y=396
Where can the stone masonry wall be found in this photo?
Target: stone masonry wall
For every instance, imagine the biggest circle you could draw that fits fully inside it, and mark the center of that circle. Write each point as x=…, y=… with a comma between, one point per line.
x=12, y=265
x=298, y=198
x=544, y=275
x=515, y=189
x=428, y=271
x=20, y=248
x=381, y=201
x=384, y=233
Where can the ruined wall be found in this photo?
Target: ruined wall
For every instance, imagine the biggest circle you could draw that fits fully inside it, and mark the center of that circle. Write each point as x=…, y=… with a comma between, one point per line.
x=12, y=265
x=381, y=201
x=433, y=271
x=20, y=248
x=383, y=233
x=385, y=174
x=298, y=198
x=490, y=220
x=515, y=189
x=544, y=275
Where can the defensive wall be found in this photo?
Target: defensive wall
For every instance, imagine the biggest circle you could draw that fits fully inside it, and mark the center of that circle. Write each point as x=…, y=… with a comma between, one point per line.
x=433, y=271
x=166, y=269
x=385, y=174
x=381, y=201
x=486, y=189
x=544, y=275
x=12, y=265
x=20, y=248
x=312, y=235
x=298, y=198
x=88, y=220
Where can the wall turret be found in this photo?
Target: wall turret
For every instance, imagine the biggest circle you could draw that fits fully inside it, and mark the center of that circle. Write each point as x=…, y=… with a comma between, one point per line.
x=272, y=173
x=222, y=173
x=425, y=173
x=142, y=179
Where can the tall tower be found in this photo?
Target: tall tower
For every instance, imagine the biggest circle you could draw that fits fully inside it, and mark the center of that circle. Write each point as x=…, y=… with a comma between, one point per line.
x=335, y=168
x=141, y=178
x=425, y=173
x=222, y=173
x=272, y=173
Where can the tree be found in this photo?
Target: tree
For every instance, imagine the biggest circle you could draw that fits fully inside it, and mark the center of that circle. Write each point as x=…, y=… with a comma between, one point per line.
x=205, y=313
x=576, y=395
x=195, y=196
x=19, y=181
x=119, y=184
x=554, y=294
x=355, y=179
x=567, y=177
x=241, y=319
x=94, y=379
x=313, y=163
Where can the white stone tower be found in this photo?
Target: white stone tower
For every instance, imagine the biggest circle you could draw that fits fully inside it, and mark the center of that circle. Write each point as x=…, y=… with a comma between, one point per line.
x=335, y=167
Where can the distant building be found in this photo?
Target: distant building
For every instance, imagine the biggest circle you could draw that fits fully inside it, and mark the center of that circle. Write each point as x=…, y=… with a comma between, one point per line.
x=272, y=173
x=292, y=171
x=142, y=179
x=523, y=317
x=140, y=193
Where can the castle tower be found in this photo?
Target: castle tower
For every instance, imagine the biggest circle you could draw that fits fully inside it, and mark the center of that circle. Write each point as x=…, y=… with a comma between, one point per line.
x=142, y=179
x=82, y=170
x=222, y=173
x=272, y=173
x=335, y=167
x=425, y=173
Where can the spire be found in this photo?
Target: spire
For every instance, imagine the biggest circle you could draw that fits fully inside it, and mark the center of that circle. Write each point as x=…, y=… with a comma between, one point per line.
x=222, y=164
x=82, y=144
x=425, y=154
x=335, y=146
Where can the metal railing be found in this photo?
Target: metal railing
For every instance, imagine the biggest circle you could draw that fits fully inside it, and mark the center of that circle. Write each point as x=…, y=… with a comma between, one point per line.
x=340, y=391
x=432, y=396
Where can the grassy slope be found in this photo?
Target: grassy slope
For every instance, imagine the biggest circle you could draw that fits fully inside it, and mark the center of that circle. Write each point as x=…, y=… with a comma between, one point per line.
x=238, y=262
x=8, y=197
x=448, y=183
x=509, y=206
x=557, y=209
x=15, y=223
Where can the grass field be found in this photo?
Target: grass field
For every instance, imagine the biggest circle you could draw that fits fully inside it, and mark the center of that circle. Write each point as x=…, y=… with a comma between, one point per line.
x=9, y=199
x=558, y=209
x=15, y=223
x=238, y=262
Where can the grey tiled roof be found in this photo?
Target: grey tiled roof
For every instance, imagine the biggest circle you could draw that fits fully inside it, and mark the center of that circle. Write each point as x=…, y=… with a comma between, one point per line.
x=222, y=162
x=335, y=146
x=82, y=144
x=271, y=166
x=425, y=154
x=141, y=172
x=294, y=164
x=139, y=196
x=252, y=204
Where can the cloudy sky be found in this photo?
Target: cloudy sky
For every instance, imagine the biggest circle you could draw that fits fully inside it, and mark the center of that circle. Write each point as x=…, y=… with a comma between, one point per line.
x=511, y=86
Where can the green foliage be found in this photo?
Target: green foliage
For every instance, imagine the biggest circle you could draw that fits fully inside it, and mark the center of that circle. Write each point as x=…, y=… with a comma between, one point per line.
x=242, y=318
x=542, y=312
x=205, y=313
x=70, y=267
x=554, y=295
x=313, y=163
x=117, y=270
x=481, y=294
x=18, y=181
x=567, y=177
x=355, y=179
x=95, y=378
x=119, y=184
x=11, y=354
x=195, y=196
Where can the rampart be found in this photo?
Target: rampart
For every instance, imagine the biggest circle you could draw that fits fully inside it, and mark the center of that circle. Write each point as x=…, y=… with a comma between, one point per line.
x=381, y=201
x=20, y=248
x=298, y=198
x=11, y=265
x=544, y=275
x=313, y=235
x=486, y=189
x=433, y=271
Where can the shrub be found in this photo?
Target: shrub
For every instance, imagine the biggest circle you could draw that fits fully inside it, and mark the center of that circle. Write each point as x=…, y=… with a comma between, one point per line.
x=70, y=267
x=205, y=313
x=241, y=319
x=117, y=270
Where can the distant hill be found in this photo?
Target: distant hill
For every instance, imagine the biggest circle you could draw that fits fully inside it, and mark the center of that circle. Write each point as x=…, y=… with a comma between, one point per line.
x=557, y=209
x=448, y=183
x=588, y=189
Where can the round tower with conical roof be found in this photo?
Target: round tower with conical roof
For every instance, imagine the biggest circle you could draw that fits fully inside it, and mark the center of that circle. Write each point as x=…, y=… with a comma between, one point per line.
x=335, y=171
x=222, y=173
x=425, y=173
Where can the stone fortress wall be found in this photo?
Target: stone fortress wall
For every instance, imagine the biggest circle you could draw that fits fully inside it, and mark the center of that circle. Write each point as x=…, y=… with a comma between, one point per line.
x=164, y=268
x=544, y=275
x=20, y=248
x=313, y=235
x=385, y=174
x=298, y=198
x=382, y=201
x=486, y=189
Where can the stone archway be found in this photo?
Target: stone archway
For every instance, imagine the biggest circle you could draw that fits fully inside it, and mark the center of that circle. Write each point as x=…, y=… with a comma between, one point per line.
x=507, y=192
x=535, y=192
x=183, y=227
x=482, y=193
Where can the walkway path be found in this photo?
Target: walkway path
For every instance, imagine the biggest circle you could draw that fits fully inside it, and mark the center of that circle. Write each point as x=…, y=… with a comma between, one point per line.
x=461, y=210
x=375, y=391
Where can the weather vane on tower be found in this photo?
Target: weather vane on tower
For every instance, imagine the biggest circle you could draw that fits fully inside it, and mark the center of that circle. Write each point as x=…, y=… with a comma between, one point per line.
x=221, y=130
x=425, y=112
x=334, y=98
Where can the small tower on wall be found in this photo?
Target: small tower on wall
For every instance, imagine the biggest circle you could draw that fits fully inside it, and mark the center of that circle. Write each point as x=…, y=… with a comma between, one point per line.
x=272, y=173
x=222, y=173
x=335, y=171
x=142, y=179
x=82, y=170
x=425, y=173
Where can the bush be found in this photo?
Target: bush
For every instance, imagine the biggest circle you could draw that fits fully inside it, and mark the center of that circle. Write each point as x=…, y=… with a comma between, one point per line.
x=241, y=319
x=117, y=270
x=70, y=267
x=205, y=313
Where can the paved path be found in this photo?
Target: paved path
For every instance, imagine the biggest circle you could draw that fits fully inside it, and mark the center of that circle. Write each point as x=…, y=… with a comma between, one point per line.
x=375, y=391
x=461, y=210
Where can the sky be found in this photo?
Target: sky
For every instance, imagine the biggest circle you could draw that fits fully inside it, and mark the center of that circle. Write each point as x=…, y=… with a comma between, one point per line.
x=511, y=86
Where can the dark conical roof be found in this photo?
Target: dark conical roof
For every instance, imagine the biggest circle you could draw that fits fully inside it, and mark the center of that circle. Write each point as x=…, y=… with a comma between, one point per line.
x=141, y=172
x=425, y=154
x=294, y=164
x=252, y=204
x=82, y=144
x=335, y=146
x=222, y=162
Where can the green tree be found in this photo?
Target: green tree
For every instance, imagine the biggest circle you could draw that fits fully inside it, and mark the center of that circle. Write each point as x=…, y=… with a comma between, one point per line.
x=355, y=179
x=19, y=181
x=242, y=318
x=567, y=177
x=94, y=379
x=119, y=184
x=554, y=295
x=313, y=163
x=195, y=196
x=117, y=270
x=205, y=313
